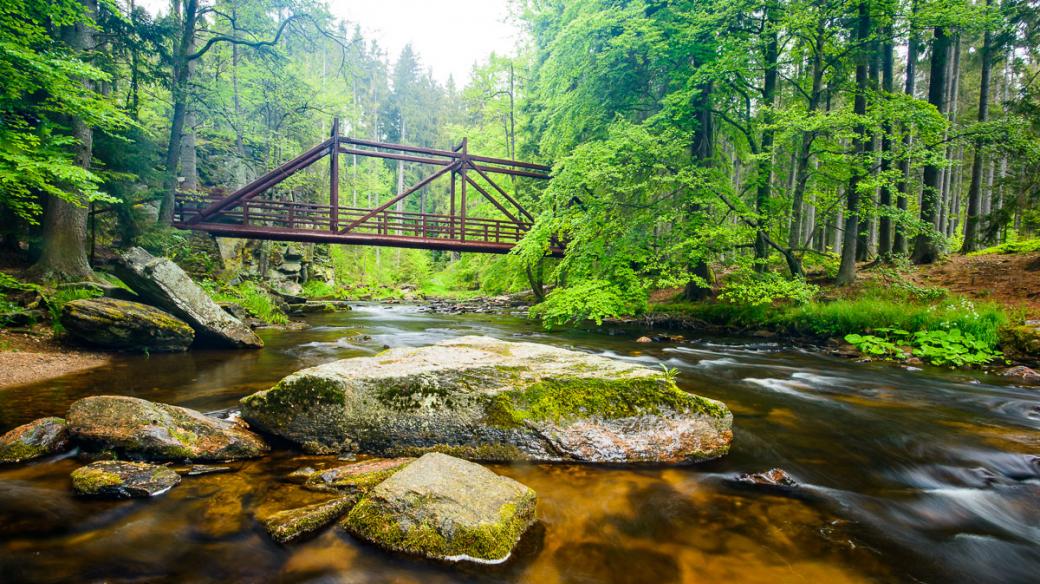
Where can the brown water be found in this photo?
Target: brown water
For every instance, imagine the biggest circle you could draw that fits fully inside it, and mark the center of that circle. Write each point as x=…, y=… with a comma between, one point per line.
x=907, y=476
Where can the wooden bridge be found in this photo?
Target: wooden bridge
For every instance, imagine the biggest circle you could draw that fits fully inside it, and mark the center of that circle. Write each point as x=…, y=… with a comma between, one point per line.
x=254, y=212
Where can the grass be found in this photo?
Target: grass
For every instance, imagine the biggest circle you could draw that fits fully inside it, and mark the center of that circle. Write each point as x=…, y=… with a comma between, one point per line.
x=251, y=296
x=1016, y=246
x=872, y=308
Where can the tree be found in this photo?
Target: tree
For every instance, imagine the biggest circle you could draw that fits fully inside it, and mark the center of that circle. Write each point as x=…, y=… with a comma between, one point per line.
x=847, y=270
x=926, y=244
x=971, y=223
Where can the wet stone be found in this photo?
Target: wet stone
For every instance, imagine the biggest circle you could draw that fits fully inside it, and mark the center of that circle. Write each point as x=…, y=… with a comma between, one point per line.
x=117, y=479
x=301, y=474
x=356, y=478
x=445, y=508
x=204, y=469
x=294, y=524
x=36, y=439
x=1022, y=374
x=772, y=478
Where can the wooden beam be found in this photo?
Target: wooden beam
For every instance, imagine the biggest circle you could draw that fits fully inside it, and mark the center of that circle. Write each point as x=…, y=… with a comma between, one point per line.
x=334, y=177
x=503, y=193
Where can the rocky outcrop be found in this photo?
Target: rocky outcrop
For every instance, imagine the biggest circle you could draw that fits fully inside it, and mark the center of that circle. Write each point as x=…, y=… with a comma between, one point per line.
x=116, y=479
x=164, y=284
x=139, y=428
x=445, y=508
x=294, y=524
x=356, y=478
x=485, y=399
x=124, y=325
x=36, y=439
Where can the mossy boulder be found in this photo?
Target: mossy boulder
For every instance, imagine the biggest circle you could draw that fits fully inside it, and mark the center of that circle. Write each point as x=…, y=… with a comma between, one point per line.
x=445, y=508
x=116, y=479
x=163, y=283
x=124, y=325
x=355, y=478
x=294, y=524
x=36, y=439
x=484, y=399
x=1022, y=342
x=138, y=428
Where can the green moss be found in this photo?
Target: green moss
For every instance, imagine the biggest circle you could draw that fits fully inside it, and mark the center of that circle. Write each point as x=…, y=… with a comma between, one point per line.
x=19, y=451
x=279, y=403
x=291, y=525
x=566, y=398
x=484, y=452
x=342, y=479
x=492, y=542
x=91, y=481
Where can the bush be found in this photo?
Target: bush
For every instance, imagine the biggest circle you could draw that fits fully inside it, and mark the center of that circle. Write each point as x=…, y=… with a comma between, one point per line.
x=593, y=300
x=763, y=289
x=939, y=347
x=1014, y=246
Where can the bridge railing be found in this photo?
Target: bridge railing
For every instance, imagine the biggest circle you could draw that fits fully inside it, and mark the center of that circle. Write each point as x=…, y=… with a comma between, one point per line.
x=282, y=215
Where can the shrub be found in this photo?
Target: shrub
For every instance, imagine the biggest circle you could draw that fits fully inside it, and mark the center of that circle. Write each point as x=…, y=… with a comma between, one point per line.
x=762, y=289
x=251, y=296
x=593, y=300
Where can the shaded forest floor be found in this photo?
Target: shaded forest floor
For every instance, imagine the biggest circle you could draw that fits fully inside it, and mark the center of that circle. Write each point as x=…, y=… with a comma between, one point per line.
x=38, y=354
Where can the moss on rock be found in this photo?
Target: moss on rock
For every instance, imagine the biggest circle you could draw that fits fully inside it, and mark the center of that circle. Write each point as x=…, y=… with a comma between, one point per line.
x=122, y=480
x=36, y=439
x=356, y=478
x=294, y=524
x=445, y=508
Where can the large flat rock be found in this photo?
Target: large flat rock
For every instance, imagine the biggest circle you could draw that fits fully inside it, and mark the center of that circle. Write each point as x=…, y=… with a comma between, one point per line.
x=485, y=399
x=139, y=428
x=163, y=283
x=125, y=325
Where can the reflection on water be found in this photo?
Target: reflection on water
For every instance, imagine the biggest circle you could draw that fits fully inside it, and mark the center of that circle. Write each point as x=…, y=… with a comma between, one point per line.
x=907, y=475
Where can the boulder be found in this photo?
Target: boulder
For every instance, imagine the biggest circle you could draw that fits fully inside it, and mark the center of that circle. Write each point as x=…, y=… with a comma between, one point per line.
x=164, y=284
x=36, y=439
x=1022, y=342
x=356, y=478
x=293, y=524
x=445, y=508
x=118, y=479
x=139, y=428
x=121, y=324
x=485, y=399
x=1022, y=374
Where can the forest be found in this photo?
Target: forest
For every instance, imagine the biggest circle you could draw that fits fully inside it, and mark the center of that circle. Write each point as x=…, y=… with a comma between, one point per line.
x=529, y=291
x=764, y=153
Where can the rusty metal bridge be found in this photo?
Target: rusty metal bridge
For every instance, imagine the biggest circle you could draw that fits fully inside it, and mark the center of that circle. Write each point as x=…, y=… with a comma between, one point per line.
x=254, y=212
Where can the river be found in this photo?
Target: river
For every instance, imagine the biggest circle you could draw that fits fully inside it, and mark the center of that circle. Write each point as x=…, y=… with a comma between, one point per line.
x=907, y=475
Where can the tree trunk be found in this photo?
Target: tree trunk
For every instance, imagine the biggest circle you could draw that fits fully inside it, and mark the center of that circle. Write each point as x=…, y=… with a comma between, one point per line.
x=765, y=166
x=885, y=196
x=971, y=223
x=64, y=248
x=899, y=242
x=179, y=93
x=847, y=270
x=801, y=168
x=926, y=247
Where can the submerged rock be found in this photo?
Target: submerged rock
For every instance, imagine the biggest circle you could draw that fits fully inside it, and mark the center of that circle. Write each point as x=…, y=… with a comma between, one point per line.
x=1022, y=374
x=356, y=478
x=293, y=524
x=445, y=508
x=485, y=399
x=36, y=439
x=772, y=478
x=120, y=324
x=142, y=429
x=164, y=283
x=118, y=479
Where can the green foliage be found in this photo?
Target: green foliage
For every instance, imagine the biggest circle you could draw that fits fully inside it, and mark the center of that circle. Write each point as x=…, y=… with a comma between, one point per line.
x=251, y=296
x=59, y=298
x=594, y=300
x=939, y=347
x=759, y=289
x=1013, y=246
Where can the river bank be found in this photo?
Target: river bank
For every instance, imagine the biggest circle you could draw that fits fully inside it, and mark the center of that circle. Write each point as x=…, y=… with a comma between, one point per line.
x=38, y=354
x=864, y=511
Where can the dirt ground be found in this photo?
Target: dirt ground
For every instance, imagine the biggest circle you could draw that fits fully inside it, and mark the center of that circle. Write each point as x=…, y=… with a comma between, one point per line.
x=1009, y=279
x=36, y=356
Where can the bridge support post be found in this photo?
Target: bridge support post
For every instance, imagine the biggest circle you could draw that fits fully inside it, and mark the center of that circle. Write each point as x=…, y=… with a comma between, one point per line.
x=462, y=206
x=334, y=177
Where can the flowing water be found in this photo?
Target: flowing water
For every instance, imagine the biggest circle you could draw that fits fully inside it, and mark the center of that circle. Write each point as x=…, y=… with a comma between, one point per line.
x=907, y=475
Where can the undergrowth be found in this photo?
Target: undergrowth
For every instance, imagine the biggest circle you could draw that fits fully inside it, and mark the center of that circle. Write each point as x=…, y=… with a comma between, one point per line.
x=251, y=296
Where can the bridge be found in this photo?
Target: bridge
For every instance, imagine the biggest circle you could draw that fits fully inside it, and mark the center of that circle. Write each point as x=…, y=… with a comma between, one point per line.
x=255, y=212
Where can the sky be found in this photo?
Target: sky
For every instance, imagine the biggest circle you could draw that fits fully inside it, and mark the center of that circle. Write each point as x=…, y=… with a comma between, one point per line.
x=449, y=35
